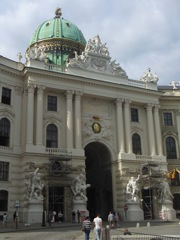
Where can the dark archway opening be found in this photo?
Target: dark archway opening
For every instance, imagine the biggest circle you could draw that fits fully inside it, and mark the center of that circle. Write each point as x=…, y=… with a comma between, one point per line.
x=98, y=174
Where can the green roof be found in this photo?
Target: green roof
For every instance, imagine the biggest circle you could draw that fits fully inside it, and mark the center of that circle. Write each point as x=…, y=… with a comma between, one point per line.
x=57, y=28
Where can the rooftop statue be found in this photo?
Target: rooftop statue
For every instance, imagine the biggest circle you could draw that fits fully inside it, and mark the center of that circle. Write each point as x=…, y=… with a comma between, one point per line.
x=96, y=58
x=149, y=77
x=79, y=187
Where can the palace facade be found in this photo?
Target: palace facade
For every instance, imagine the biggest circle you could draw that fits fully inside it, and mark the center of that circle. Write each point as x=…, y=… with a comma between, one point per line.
x=70, y=109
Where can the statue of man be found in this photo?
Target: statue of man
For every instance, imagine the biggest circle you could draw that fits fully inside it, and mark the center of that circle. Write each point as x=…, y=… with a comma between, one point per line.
x=79, y=187
x=165, y=192
x=35, y=185
x=132, y=188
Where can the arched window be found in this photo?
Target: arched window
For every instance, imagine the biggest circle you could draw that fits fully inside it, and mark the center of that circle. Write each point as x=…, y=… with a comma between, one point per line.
x=170, y=148
x=3, y=200
x=4, y=132
x=52, y=136
x=136, y=144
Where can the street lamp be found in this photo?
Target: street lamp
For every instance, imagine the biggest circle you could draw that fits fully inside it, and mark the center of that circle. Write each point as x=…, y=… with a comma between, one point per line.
x=17, y=206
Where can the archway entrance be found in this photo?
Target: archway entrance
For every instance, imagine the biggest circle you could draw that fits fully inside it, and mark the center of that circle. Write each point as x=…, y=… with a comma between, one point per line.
x=98, y=174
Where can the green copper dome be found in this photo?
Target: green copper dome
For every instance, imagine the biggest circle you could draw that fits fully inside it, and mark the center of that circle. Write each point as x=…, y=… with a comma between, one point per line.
x=58, y=38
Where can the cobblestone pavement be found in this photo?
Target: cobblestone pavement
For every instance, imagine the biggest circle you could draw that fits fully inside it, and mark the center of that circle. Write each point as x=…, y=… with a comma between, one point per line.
x=70, y=231
x=51, y=234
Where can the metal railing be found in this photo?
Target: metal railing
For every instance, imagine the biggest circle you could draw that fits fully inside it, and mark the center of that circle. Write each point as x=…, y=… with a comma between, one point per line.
x=139, y=236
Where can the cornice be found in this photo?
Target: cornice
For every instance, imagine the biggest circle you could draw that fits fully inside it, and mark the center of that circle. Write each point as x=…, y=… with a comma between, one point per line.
x=42, y=73
x=10, y=71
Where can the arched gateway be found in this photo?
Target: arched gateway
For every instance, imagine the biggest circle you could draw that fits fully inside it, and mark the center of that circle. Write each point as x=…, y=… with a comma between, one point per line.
x=98, y=174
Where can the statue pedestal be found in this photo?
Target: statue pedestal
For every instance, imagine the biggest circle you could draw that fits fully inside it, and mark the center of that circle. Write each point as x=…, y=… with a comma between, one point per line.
x=167, y=211
x=134, y=212
x=79, y=204
x=34, y=212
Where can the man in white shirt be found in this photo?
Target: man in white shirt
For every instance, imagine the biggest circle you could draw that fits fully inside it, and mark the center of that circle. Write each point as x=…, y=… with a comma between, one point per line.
x=98, y=226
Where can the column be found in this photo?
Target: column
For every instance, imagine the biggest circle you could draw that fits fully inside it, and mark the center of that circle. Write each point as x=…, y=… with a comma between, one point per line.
x=69, y=126
x=39, y=115
x=120, y=126
x=78, y=119
x=128, y=139
x=157, y=131
x=150, y=127
x=18, y=121
x=30, y=113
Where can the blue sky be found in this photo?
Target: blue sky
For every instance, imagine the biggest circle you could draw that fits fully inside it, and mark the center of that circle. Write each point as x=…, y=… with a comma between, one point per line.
x=139, y=33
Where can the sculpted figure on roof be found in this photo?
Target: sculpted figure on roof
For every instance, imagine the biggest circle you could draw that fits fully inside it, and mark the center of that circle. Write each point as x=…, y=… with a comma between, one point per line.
x=94, y=45
x=149, y=77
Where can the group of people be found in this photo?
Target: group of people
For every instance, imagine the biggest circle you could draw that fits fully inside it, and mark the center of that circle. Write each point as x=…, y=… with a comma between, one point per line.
x=114, y=219
x=54, y=217
x=98, y=225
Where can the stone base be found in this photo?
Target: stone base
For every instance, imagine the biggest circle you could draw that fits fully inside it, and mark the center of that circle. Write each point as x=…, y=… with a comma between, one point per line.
x=35, y=212
x=167, y=211
x=81, y=206
x=134, y=212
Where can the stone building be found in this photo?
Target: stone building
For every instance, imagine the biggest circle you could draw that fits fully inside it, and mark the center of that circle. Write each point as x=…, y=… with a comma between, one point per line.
x=70, y=109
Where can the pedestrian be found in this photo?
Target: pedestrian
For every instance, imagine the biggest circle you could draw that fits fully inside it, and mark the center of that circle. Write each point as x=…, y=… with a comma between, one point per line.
x=78, y=216
x=86, y=227
x=111, y=219
x=50, y=216
x=4, y=220
x=73, y=216
x=15, y=217
x=60, y=217
x=126, y=232
x=98, y=226
x=117, y=219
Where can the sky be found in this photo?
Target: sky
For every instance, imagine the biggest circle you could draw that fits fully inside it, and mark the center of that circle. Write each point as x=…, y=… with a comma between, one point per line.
x=139, y=34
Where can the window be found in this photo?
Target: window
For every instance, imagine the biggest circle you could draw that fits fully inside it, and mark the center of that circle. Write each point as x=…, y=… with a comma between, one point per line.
x=6, y=96
x=4, y=171
x=3, y=200
x=134, y=115
x=170, y=148
x=51, y=136
x=168, y=119
x=4, y=132
x=52, y=103
x=136, y=144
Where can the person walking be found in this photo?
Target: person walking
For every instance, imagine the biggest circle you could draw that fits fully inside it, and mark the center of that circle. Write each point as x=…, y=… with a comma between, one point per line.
x=111, y=219
x=86, y=226
x=98, y=226
x=78, y=216
x=5, y=220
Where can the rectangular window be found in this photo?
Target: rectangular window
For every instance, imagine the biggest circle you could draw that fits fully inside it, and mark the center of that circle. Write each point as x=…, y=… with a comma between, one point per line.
x=168, y=119
x=52, y=103
x=4, y=171
x=6, y=96
x=134, y=115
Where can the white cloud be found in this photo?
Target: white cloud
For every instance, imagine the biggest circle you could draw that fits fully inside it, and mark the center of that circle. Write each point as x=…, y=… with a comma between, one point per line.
x=138, y=33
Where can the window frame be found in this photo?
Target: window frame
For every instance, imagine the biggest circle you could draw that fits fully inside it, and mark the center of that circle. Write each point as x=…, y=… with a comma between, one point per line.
x=51, y=140
x=6, y=98
x=136, y=144
x=134, y=114
x=52, y=105
x=4, y=171
x=5, y=131
x=168, y=121
x=169, y=153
